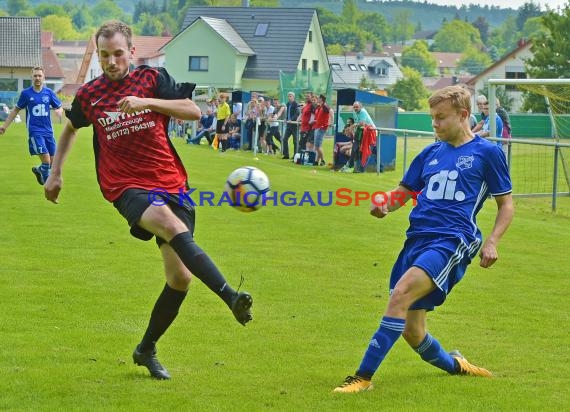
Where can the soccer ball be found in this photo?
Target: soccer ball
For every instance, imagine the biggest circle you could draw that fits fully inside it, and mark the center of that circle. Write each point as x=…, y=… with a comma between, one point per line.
x=246, y=188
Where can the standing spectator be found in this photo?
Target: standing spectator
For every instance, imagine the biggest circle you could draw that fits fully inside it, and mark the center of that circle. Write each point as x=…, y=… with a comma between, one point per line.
x=322, y=123
x=305, y=117
x=481, y=101
x=133, y=163
x=291, y=116
x=206, y=128
x=311, y=135
x=251, y=114
x=222, y=117
x=274, y=113
x=506, y=134
x=38, y=100
x=442, y=238
x=484, y=132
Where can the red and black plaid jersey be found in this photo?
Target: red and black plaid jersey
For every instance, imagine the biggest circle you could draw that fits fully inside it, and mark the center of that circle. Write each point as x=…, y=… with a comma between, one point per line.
x=131, y=150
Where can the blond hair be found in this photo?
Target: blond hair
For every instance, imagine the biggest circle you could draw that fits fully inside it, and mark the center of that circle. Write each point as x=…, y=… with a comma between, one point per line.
x=458, y=96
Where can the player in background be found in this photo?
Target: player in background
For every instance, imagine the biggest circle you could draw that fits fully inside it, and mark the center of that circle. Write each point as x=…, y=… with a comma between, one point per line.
x=455, y=176
x=129, y=111
x=38, y=100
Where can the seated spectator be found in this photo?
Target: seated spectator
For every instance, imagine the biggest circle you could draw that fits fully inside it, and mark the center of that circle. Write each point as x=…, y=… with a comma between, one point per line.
x=345, y=148
x=234, y=132
x=206, y=128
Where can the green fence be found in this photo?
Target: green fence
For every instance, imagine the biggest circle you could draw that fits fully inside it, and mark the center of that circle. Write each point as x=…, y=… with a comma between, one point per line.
x=301, y=81
x=523, y=125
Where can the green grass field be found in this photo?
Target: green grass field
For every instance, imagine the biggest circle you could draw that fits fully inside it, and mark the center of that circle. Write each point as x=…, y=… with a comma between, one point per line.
x=76, y=292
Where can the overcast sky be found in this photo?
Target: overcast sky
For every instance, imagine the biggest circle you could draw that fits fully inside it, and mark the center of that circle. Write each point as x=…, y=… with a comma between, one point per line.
x=513, y=4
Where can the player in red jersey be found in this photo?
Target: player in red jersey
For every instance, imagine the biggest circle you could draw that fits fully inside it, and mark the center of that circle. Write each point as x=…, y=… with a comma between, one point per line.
x=129, y=110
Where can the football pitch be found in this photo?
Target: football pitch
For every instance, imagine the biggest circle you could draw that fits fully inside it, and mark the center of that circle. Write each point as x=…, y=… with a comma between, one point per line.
x=76, y=291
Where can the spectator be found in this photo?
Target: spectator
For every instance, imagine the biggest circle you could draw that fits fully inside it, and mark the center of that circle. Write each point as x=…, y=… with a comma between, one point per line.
x=484, y=132
x=322, y=122
x=205, y=128
x=481, y=101
x=234, y=132
x=305, y=117
x=345, y=148
x=291, y=116
x=361, y=119
x=273, y=115
x=251, y=114
x=222, y=117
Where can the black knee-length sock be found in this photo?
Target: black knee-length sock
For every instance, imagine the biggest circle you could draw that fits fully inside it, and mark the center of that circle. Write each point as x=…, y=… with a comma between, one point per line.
x=163, y=314
x=200, y=264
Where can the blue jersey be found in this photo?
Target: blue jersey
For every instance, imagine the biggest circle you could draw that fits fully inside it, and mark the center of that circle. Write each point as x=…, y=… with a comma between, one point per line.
x=454, y=182
x=37, y=105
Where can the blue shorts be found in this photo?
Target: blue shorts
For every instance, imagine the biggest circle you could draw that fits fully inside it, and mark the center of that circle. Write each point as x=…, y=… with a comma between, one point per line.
x=444, y=259
x=319, y=137
x=40, y=144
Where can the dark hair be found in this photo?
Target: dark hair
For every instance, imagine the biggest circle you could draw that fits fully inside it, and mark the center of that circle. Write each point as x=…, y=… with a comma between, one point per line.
x=323, y=97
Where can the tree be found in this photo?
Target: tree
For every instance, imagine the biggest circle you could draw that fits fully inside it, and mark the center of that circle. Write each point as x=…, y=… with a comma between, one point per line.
x=474, y=61
x=350, y=12
x=61, y=27
x=17, y=7
x=148, y=25
x=527, y=11
x=551, y=50
x=351, y=38
x=411, y=90
x=418, y=57
x=81, y=18
x=551, y=54
x=327, y=17
x=107, y=10
x=402, y=28
x=455, y=35
x=376, y=24
x=482, y=25
x=44, y=10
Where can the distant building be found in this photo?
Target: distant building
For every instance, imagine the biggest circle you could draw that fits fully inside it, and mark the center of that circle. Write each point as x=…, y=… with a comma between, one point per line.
x=349, y=70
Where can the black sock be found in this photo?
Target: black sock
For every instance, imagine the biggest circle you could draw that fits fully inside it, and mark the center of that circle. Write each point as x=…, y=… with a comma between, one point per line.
x=163, y=314
x=200, y=264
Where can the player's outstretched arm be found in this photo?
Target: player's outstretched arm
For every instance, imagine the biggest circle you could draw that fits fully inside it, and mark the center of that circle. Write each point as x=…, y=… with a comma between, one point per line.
x=505, y=213
x=183, y=109
x=53, y=185
x=9, y=120
x=384, y=203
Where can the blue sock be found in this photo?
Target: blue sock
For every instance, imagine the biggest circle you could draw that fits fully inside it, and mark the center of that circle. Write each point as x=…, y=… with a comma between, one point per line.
x=387, y=334
x=431, y=351
x=44, y=170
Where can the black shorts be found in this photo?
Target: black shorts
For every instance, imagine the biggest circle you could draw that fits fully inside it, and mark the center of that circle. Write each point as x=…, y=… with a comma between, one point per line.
x=308, y=137
x=133, y=202
x=220, y=125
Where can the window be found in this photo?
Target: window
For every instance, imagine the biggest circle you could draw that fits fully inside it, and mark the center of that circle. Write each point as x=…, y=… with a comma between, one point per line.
x=261, y=29
x=9, y=85
x=513, y=75
x=310, y=36
x=363, y=67
x=198, y=64
x=336, y=66
x=382, y=71
x=352, y=67
x=26, y=83
x=304, y=64
x=315, y=66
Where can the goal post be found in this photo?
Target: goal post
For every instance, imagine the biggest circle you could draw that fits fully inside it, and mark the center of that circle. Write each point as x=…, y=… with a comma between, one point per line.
x=556, y=94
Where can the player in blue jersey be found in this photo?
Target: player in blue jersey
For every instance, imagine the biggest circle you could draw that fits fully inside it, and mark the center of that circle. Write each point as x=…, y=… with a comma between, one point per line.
x=38, y=100
x=453, y=177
